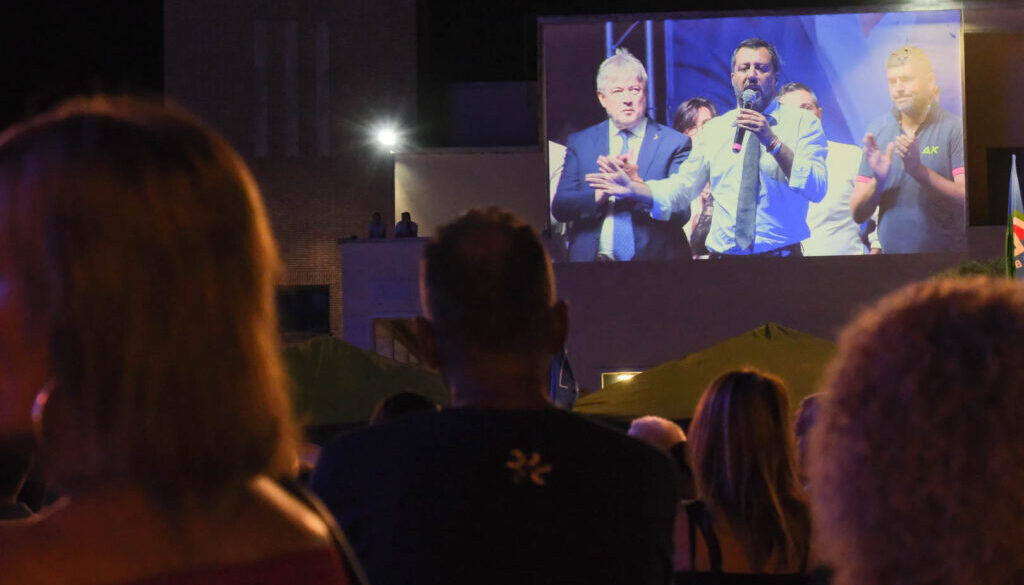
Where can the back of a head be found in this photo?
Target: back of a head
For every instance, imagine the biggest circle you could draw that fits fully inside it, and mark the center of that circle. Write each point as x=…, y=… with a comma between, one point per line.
x=804, y=420
x=487, y=285
x=141, y=243
x=400, y=404
x=686, y=115
x=918, y=456
x=797, y=86
x=15, y=464
x=657, y=431
x=741, y=450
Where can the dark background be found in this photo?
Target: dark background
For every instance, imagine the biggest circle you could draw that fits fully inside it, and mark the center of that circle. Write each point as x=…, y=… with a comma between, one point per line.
x=55, y=49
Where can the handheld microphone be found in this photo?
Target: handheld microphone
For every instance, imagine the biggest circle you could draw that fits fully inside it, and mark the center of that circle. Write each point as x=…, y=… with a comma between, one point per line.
x=749, y=95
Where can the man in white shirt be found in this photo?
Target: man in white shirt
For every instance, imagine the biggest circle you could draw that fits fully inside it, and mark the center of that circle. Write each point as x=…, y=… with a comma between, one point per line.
x=833, y=231
x=690, y=118
x=762, y=184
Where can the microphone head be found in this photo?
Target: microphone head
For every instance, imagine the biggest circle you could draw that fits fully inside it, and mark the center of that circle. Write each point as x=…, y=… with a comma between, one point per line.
x=748, y=97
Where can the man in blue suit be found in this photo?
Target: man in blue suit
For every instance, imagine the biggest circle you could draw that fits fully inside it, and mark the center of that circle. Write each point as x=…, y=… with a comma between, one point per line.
x=602, y=228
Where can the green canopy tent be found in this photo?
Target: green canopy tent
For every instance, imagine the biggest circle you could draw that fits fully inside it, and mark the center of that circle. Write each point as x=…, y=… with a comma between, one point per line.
x=672, y=389
x=337, y=384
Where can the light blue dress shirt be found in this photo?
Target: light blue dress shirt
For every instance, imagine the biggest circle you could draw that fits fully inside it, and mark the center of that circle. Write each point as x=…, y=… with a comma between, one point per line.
x=781, y=203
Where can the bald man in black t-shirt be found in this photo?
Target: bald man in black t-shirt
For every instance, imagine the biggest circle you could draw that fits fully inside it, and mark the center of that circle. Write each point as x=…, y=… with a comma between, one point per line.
x=913, y=166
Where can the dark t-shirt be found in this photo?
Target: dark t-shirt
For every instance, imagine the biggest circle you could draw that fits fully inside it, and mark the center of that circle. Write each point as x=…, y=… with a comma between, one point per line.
x=490, y=496
x=306, y=566
x=911, y=217
x=406, y=229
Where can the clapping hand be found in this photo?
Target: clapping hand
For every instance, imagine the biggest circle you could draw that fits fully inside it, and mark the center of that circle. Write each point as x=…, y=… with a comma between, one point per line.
x=622, y=162
x=907, y=148
x=878, y=161
x=614, y=179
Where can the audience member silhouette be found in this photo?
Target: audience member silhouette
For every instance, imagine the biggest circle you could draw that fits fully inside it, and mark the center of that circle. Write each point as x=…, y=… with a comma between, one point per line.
x=917, y=460
x=690, y=117
x=657, y=431
x=138, y=271
x=376, y=229
x=406, y=228
x=502, y=487
x=15, y=462
x=667, y=435
x=804, y=420
x=400, y=404
x=751, y=522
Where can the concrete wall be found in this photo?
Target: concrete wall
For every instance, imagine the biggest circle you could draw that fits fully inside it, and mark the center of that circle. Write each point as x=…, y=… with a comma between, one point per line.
x=480, y=114
x=435, y=186
x=992, y=114
x=632, y=316
x=382, y=281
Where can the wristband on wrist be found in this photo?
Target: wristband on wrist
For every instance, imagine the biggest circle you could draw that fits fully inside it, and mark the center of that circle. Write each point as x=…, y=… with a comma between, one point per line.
x=775, y=145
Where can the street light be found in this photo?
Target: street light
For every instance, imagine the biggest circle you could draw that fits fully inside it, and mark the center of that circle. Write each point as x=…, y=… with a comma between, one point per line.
x=387, y=138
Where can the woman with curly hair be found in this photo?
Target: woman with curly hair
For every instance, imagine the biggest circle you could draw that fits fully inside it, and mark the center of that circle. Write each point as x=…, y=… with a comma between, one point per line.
x=750, y=518
x=137, y=324
x=917, y=460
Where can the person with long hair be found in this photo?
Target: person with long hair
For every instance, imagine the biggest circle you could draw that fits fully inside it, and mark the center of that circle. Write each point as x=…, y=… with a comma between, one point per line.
x=137, y=324
x=751, y=517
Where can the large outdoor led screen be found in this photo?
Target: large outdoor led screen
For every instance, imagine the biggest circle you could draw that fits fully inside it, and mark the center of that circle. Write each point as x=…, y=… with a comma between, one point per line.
x=803, y=180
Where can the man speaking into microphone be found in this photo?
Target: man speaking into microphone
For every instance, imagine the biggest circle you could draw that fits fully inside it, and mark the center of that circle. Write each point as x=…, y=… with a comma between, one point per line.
x=765, y=163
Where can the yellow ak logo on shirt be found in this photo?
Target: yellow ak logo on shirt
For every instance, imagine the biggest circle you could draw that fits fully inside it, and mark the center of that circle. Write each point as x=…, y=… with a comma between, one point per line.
x=930, y=150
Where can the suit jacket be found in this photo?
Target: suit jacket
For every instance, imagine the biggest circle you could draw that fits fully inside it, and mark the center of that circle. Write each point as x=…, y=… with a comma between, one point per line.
x=662, y=151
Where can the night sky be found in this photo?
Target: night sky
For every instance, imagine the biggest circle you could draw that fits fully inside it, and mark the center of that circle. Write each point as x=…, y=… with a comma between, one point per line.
x=55, y=49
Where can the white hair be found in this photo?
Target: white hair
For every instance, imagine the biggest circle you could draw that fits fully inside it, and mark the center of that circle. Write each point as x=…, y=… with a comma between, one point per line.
x=622, y=60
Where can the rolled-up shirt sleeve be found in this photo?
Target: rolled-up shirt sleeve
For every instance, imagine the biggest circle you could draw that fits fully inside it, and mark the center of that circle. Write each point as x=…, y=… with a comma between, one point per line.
x=675, y=192
x=808, y=176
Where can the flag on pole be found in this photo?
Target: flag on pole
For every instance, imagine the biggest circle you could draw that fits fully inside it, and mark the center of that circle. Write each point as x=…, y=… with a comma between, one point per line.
x=564, y=390
x=1014, y=227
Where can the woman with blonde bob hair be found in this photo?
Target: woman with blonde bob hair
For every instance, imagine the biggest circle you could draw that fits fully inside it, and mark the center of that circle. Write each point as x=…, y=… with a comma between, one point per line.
x=136, y=311
x=750, y=517
x=917, y=460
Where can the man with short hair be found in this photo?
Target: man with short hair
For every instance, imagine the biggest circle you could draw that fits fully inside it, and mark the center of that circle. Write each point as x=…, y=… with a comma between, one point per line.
x=407, y=228
x=502, y=487
x=833, y=231
x=377, y=229
x=920, y=193
x=691, y=115
x=601, y=227
x=762, y=186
